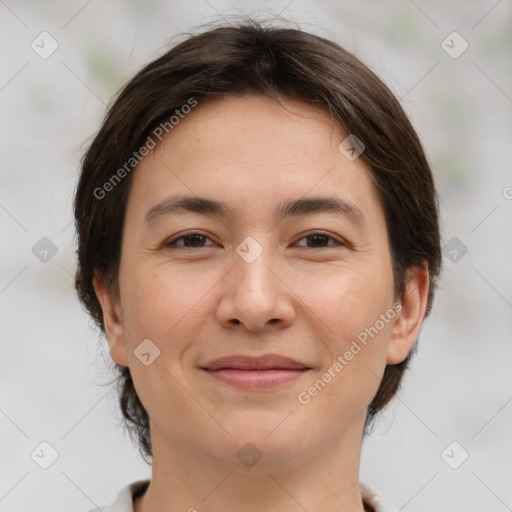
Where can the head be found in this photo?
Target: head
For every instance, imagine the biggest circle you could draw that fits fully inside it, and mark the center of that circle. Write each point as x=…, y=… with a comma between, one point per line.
x=256, y=117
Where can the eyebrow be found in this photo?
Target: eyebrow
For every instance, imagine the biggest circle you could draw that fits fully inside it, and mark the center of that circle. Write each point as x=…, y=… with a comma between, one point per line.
x=210, y=207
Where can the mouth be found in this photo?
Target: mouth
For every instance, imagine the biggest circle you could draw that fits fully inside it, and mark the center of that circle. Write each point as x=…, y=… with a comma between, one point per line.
x=262, y=372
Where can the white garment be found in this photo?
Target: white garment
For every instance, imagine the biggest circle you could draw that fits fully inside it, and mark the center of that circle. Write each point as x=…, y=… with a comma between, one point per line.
x=124, y=500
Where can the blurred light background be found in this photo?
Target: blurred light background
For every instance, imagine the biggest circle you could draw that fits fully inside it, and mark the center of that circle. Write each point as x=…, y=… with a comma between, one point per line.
x=53, y=365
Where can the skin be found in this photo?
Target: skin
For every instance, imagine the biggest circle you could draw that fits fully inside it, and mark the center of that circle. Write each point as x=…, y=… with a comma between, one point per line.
x=301, y=298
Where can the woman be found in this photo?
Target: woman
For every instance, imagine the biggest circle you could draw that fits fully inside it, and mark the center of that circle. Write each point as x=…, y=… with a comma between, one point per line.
x=258, y=239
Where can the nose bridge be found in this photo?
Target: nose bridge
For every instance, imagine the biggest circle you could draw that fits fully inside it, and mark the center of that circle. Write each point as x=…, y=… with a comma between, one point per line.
x=255, y=296
x=252, y=262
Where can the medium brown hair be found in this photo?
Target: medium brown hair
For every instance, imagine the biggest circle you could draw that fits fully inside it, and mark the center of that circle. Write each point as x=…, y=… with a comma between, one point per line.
x=275, y=61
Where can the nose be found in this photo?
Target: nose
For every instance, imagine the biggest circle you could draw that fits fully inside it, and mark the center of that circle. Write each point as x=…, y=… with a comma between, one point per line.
x=256, y=295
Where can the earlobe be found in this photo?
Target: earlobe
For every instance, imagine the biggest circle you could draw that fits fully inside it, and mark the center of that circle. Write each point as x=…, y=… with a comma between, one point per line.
x=112, y=320
x=406, y=328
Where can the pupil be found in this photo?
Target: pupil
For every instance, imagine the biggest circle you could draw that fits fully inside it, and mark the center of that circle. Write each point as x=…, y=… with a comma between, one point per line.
x=195, y=239
x=317, y=237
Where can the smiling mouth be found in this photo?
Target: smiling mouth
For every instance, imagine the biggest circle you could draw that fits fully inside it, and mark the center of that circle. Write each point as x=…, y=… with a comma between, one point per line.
x=264, y=372
x=256, y=379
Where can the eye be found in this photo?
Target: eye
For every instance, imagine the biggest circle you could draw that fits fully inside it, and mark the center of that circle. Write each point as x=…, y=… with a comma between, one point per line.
x=319, y=239
x=190, y=241
x=197, y=240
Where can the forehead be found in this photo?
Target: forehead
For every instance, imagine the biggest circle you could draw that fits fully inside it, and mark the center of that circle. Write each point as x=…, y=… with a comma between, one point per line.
x=252, y=152
x=254, y=129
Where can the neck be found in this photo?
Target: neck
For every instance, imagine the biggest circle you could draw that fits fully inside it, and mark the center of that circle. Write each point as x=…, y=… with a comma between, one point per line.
x=185, y=480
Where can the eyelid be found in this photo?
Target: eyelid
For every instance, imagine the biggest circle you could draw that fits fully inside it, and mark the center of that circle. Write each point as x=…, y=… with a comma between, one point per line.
x=171, y=242
x=338, y=242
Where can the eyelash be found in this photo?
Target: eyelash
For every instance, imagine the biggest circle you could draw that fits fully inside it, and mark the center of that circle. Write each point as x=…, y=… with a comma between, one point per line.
x=171, y=244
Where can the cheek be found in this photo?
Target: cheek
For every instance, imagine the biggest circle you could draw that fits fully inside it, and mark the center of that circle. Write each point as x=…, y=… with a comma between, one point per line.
x=344, y=387
x=160, y=299
x=355, y=316
x=347, y=300
x=158, y=305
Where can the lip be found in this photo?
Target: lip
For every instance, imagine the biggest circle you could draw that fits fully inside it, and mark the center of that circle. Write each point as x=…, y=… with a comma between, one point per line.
x=264, y=372
x=265, y=362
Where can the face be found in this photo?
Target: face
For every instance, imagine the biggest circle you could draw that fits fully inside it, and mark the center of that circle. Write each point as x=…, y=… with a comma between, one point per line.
x=312, y=283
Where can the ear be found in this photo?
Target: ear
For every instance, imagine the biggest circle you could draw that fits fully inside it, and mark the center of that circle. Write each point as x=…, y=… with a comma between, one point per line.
x=406, y=328
x=112, y=319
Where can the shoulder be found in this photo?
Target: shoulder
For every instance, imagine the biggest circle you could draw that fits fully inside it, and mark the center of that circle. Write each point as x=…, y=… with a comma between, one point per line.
x=378, y=503
x=124, y=499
